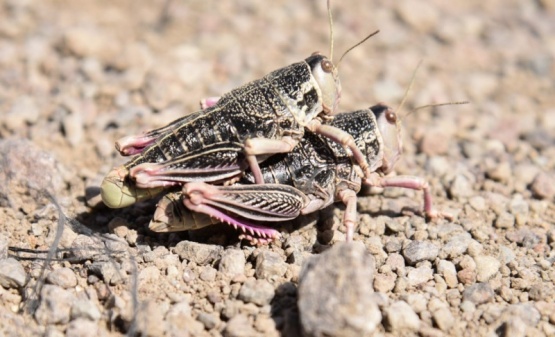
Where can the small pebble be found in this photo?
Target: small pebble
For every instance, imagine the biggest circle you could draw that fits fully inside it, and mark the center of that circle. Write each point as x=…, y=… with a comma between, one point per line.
x=200, y=253
x=396, y=262
x=478, y=293
x=147, y=276
x=393, y=245
x=418, y=251
x=524, y=237
x=119, y=226
x=526, y=311
x=456, y=246
x=417, y=302
x=475, y=248
x=82, y=308
x=540, y=291
x=506, y=254
x=232, y=262
x=259, y=292
x=466, y=276
x=55, y=305
x=399, y=316
x=85, y=247
x=82, y=327
x=437, y=166
x=420, y=275
x=209, y=321
x=63, y=277
x=486, y=267
x=524, y=175
x=12, y=274
x=478, y=203
x=543, y=186
x=501, y=172
x=110, y=272
x=208, y=274
x=74, y=128
x=468, y=306
x=24, y=110
x=148, y=319
x=461, y=188
x=239, y=326
x=444, y=319
x=449, y=272
x=270, y=265
x=520, y=209
x=505, y=220
x=384, y=283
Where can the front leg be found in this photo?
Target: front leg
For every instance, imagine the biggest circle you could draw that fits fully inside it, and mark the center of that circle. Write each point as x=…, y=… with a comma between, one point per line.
x=345, y=139
x=413, y=183
x=264, y=146
x=349, y=198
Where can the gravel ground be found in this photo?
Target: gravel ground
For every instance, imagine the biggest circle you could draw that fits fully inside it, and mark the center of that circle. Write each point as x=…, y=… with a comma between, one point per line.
x=77, y=75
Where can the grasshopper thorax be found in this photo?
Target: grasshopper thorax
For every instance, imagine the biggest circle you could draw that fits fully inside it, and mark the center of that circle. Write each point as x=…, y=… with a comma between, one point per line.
x=390, y=129
x=327, y=78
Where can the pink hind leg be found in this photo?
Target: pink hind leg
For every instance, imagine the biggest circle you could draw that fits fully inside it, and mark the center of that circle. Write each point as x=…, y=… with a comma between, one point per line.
x=131, y=145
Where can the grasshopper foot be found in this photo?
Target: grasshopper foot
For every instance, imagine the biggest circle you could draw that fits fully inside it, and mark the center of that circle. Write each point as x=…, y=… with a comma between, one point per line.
x=256, y=241
x=433, y=215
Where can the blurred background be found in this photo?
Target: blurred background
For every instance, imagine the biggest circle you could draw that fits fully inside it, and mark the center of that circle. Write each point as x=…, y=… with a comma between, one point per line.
x=77, y=75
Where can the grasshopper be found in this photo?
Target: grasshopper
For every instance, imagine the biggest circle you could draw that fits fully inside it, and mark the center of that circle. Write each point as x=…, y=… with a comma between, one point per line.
x=253, y=122
x=315, y=174
x=264, y=117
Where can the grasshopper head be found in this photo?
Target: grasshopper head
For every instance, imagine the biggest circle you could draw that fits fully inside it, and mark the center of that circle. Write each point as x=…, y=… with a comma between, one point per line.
x=326, y=75
x=390, y=129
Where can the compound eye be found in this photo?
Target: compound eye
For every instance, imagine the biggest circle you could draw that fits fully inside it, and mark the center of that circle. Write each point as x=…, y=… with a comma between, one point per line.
x=327, y=66
x=391, y=116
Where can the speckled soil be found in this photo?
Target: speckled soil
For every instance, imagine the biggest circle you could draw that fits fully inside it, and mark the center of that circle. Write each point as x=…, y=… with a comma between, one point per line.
x=77, y=75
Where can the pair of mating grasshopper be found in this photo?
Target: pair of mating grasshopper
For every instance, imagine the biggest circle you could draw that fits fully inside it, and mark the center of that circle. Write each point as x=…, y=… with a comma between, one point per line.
x=267, y=151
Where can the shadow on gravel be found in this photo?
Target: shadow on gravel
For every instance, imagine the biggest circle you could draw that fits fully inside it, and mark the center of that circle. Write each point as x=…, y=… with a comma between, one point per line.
x=102, y=249
x=285, y=312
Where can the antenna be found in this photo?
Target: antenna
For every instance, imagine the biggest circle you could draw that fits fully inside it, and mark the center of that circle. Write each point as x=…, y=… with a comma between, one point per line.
x=356, y=45
x=438, y=104
x=403, y=101
x=330, y=18
x=409, y=87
